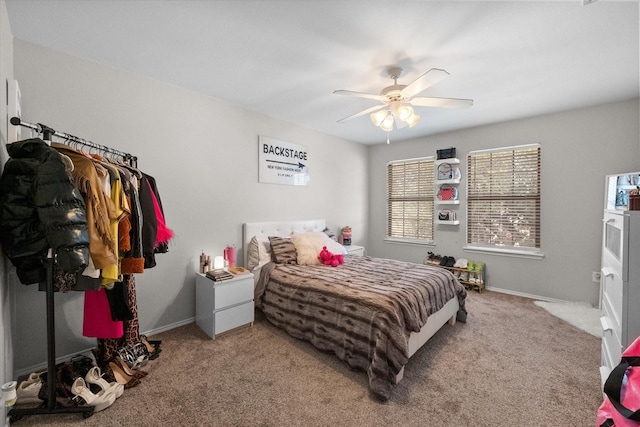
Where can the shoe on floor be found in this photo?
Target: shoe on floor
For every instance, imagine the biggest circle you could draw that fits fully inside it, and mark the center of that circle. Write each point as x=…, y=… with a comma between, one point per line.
x=27, y=392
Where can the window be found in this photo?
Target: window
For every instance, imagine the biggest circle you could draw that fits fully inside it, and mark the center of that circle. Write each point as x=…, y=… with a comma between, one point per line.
x=503, y=198
x=410, y=199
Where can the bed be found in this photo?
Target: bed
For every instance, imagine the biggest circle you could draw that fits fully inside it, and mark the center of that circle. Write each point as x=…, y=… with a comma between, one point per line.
x=372, y=313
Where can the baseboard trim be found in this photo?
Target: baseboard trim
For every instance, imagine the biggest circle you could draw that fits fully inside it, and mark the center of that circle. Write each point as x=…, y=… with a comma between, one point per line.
x=44, y=366
x=524, y=295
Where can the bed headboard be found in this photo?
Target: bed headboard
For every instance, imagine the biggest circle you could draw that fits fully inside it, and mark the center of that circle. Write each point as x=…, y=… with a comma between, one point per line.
x=277, y=228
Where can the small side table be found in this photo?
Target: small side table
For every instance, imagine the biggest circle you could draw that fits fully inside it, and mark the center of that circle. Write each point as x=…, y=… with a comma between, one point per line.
x=222, y=306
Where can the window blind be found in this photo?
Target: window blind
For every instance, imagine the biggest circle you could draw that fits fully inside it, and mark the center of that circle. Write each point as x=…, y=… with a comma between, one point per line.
x=503, y=197
x=410, y=199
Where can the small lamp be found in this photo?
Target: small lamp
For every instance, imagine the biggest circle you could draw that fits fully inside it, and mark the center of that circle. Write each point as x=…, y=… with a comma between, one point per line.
x=218, y=263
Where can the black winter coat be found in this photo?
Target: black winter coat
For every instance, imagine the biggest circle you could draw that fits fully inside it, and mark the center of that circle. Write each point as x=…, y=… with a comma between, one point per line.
x=40, y=208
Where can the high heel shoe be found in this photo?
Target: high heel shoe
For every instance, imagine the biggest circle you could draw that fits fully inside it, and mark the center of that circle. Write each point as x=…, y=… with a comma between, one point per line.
x=94, y=376
x=136, y=373
x=153, y=347
x=122, y=377
x=135, y=355
x=99, y=401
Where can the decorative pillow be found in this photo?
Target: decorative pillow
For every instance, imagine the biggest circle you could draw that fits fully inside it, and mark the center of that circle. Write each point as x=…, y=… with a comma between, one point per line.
x=309, y=244
x=284, y=252
x=329, y=232
x=258, y=253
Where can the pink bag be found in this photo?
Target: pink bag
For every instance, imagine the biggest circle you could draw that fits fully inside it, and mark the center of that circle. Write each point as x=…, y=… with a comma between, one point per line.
x=448, y=193
x=621, y=407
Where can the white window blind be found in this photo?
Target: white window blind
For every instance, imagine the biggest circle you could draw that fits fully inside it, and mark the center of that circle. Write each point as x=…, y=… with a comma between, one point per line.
x=503, y=197
x=410, y=199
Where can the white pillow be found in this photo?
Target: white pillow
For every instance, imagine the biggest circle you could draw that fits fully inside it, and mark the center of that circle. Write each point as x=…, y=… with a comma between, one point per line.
x=309, y=244
x=258, y=253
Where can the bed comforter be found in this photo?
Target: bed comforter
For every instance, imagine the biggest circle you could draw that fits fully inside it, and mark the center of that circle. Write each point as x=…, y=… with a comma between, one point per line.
x=363, y=310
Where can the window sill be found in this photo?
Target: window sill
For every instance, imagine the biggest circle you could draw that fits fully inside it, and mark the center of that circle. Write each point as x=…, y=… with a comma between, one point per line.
x=401, y=241
x=518, y=253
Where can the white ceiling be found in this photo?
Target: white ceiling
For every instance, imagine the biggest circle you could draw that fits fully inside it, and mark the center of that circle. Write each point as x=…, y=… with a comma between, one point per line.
x=285, y=58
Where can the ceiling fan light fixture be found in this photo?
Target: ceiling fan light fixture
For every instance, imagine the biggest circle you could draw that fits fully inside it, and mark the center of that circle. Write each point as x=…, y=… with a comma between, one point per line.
x=387, y=123
x=405, y=112
x=378, y=116
x=412, y=120
x=398, y=100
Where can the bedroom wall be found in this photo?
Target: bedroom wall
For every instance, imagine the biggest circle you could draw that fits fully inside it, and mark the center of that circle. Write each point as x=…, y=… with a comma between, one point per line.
x=579, y=148
x=204, y=156
x=6, y=72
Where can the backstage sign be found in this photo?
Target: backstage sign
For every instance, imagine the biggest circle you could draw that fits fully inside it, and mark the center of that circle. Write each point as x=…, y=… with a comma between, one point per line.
x=282, y=162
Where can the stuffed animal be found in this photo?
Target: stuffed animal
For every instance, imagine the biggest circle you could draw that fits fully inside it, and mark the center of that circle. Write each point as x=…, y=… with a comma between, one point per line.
x=327, y=258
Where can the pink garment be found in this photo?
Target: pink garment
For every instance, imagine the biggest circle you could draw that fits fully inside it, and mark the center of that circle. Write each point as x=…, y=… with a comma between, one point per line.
x=97, y=317
x=164, y=233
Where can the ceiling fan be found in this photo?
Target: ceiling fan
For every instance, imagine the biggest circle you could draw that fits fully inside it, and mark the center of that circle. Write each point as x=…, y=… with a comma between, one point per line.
x=397, y=100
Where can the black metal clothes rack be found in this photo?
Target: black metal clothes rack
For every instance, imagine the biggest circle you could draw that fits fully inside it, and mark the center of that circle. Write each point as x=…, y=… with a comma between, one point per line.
x=48, y=132
x=51, y=406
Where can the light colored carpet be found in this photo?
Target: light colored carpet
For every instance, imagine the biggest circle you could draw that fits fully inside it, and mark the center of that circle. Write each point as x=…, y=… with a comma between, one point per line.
x=511, y=364
x=579, y=314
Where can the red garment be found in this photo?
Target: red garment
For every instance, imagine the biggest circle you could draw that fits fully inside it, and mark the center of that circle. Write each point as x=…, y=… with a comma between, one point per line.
x=97, y=317
x=164, y=233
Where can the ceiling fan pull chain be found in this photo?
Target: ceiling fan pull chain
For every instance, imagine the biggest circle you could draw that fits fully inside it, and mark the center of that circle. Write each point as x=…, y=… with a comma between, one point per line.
x=387, y=137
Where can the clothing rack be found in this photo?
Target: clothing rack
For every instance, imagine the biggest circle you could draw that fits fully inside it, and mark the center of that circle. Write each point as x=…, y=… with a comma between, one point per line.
x=51, y=406
x=48, y=132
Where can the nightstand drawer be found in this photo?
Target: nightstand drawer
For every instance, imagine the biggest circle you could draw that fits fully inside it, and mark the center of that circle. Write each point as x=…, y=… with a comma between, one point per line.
x=233, y=293
x=233, y=317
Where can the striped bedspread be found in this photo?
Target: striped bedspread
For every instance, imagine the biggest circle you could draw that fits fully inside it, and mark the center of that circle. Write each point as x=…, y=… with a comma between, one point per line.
x=363, y=310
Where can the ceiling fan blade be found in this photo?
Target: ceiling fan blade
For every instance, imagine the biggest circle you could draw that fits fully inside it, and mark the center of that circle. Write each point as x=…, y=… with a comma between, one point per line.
x=426, y=80
x=362, y=113
x=441, y=102
x=359, y=94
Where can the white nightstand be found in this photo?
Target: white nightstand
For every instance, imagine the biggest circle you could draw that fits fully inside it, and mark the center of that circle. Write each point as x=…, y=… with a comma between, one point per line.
x=222, y=306
x=355, y=250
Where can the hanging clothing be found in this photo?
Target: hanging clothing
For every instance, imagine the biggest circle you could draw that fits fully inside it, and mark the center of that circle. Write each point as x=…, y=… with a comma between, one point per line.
x=107, y=347
x=97, y=317
x=155, y=233
x=65, y=281
x=99, y=208
x=119, y=301
x=111, y=274
x=132, y=326
x=165, y=234
x=40, y=208
x=132, y=259
x=149, y=223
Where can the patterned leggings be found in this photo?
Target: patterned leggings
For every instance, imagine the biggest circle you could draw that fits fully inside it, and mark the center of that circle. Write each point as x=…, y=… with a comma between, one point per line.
x=107, y=347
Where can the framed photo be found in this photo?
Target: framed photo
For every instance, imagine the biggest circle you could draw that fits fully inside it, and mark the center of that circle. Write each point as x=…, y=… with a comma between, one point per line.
x=281, y=162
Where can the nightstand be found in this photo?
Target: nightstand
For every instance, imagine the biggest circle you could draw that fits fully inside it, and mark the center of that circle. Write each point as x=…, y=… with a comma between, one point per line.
x=355, y=250
x=222, y=306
